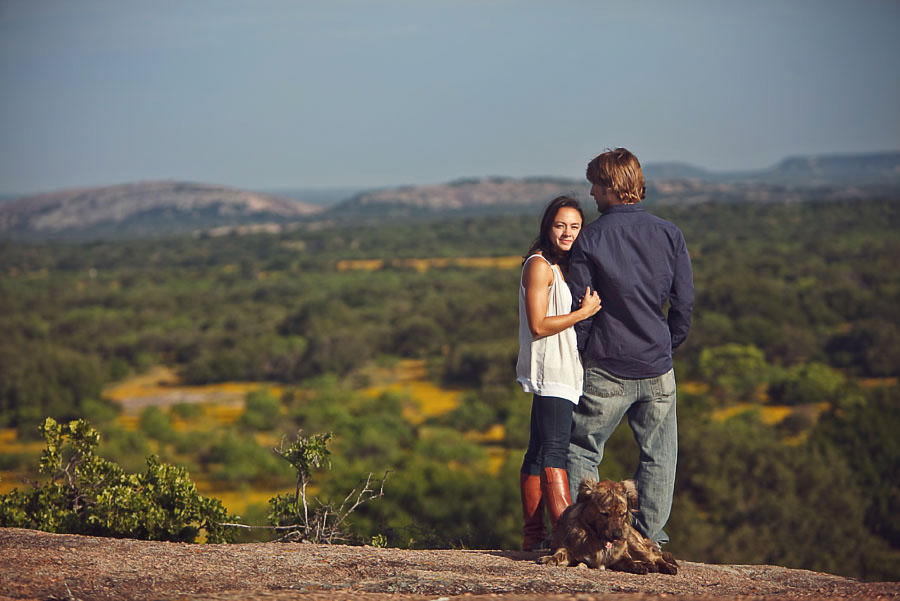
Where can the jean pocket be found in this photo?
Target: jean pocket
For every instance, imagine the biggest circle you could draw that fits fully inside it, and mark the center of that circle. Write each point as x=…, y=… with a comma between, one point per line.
x=663, y=386
x=598, y=383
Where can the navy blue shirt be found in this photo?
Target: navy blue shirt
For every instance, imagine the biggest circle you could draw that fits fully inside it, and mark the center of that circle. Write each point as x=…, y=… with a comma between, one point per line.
x=637, y=263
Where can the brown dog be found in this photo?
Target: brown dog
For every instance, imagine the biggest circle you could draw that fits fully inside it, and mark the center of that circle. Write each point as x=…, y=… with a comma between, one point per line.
x=597, y=530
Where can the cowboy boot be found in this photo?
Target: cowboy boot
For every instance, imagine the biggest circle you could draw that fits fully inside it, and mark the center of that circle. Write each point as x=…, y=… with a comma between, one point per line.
x=555, y=488
x=532, y=512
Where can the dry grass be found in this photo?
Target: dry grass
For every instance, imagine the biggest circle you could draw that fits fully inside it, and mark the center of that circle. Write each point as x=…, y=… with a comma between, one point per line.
x=409, y=377
x=423, y=265
x=496, y=434
x=692, y=387
x=238, y=500
x=10, y=444
x=360, y=264
x=161, y=387
x=771, y=415
x=497, y=457
x=870, y=383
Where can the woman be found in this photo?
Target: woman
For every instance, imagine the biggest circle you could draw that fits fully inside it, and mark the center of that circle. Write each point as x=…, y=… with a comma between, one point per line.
x=549, y=365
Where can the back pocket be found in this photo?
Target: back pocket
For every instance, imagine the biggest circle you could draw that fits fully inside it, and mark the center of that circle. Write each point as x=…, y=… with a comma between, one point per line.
x=663, y=386
x=601, y=384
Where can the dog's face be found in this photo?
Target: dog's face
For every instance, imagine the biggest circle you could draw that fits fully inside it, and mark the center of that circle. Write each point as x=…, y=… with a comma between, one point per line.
x=607, y=507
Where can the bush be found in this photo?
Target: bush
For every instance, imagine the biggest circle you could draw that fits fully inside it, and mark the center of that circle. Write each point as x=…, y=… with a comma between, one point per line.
x=808, y=383
x=736, y=371
x=319, y=522
x=87, y=494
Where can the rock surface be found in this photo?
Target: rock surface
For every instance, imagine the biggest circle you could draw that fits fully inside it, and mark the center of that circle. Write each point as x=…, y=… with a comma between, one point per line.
x=38, y=565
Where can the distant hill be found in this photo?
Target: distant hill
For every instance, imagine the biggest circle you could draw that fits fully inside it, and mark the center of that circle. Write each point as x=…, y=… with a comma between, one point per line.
x=143, y=209
x=315, y=196
x=876, y=168
x=155, y=209
x=857, y=169
x=479, y=195
x=796, y=179
x=656, y=171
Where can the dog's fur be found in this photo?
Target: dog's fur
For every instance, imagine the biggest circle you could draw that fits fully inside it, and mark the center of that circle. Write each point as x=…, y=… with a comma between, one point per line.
x=597, y=531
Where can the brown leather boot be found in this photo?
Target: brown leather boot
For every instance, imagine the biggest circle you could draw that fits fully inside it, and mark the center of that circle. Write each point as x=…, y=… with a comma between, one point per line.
x=555, y=488
x=532, y=512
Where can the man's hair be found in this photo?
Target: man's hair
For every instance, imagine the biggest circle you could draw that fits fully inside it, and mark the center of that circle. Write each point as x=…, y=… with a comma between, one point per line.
x=620, y=170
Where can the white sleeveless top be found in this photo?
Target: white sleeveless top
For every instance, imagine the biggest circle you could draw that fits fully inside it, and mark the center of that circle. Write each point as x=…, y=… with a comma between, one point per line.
x=550, y=365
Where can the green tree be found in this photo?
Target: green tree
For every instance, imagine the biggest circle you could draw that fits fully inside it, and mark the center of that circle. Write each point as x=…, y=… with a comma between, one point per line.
x=42, y=379
x=743, y=497
x=866, y=436
x=736, y=371
x=809, y=383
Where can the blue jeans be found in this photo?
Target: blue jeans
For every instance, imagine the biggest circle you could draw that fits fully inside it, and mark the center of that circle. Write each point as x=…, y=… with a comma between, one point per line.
x=650, y=407
x=551, y=424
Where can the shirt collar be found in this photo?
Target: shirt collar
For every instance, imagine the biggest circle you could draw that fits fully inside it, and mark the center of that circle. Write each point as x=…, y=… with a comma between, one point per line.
x=623, y=208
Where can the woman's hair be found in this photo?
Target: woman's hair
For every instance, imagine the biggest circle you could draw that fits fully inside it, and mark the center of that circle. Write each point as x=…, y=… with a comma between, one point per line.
x=543, y=243
x=620, y=170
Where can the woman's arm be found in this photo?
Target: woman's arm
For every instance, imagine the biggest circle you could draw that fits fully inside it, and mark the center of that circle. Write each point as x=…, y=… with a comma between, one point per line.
x=536, y=279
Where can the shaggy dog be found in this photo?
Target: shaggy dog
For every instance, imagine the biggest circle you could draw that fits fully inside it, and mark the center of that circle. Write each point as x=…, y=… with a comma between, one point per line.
x=597, y=531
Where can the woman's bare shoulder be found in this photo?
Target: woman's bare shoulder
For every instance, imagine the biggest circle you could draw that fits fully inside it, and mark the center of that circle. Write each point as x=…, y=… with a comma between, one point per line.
x=536, y=271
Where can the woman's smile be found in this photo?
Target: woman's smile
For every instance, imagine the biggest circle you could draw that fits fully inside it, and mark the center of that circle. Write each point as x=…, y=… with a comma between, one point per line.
x=565, y=229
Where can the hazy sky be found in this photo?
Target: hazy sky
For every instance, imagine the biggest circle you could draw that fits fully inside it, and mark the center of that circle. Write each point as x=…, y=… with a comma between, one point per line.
x=289, y=93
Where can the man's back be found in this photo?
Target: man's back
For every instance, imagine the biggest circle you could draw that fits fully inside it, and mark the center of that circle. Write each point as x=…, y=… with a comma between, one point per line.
x=637, y=262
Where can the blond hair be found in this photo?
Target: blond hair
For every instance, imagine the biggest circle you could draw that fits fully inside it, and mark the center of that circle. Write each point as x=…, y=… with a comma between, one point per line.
x=620, y=170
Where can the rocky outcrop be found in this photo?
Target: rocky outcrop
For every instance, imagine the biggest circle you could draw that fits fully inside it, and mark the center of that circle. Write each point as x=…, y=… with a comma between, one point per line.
x=37, y=565
x=123, y=205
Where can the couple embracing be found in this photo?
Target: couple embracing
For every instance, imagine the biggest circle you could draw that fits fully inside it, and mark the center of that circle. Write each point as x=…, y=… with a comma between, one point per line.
x=606, y=355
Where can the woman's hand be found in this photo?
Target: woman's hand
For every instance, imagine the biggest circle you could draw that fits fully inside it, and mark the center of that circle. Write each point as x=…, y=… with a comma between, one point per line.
x=590, y=302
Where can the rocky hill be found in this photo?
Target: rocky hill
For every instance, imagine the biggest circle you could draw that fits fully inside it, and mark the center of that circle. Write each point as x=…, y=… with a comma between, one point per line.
x=471, y=195
x=858, y=169
x=157, y=209
x=38, y=565
x=798, y=179
x=147, y=208
x=876, y=168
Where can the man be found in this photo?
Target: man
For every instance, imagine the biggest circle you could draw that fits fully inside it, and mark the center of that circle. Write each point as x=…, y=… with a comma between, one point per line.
x=637, y=263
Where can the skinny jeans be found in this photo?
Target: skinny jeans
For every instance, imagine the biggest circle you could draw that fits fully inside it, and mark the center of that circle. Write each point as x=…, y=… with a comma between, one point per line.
x=551, y=427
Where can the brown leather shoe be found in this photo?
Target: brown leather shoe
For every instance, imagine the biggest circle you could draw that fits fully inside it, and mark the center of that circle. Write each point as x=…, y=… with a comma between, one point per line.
x=532, y=512
x=555, y=488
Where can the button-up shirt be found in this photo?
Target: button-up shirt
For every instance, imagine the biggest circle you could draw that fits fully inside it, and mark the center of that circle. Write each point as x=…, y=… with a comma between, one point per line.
x=637, y=263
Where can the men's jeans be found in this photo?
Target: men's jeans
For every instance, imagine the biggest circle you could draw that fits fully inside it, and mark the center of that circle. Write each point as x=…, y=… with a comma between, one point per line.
x=650, y=407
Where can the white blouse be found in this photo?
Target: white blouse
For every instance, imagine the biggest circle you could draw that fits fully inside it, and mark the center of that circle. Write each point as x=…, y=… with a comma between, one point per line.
x=549, y=365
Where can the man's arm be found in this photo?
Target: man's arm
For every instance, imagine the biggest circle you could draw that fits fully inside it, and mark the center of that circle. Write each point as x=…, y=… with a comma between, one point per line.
x=681, y=298
x=579, y=278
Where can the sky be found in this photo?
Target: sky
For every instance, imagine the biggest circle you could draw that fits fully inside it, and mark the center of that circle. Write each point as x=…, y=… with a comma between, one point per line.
x=277, y=94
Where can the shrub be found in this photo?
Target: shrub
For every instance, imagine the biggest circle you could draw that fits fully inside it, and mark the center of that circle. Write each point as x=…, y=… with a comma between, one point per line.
x=736, y=371
x=87, y=494
x=320, y=522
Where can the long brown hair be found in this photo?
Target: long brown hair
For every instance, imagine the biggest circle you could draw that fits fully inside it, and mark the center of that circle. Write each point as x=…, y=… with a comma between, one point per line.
x=543, y=243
